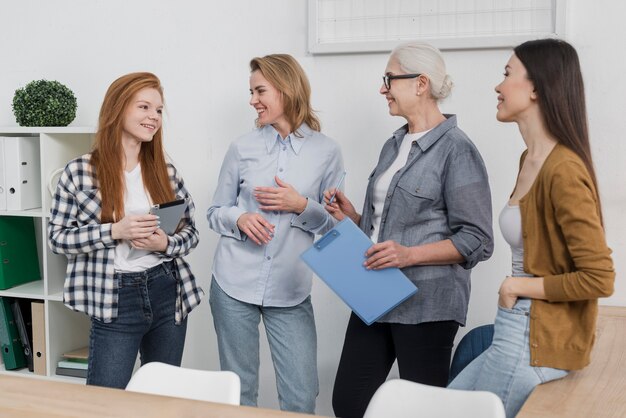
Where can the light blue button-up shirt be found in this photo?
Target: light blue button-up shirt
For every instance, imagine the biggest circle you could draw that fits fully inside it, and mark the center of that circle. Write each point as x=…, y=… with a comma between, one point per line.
x=272, y=274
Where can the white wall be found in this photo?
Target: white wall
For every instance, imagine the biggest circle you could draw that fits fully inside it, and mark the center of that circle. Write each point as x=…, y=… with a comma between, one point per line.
x=201, y=50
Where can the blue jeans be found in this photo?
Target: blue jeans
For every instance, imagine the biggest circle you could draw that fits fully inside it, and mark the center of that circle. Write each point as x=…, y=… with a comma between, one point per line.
x=293, y=343
x=145, y=324
x=504, y=368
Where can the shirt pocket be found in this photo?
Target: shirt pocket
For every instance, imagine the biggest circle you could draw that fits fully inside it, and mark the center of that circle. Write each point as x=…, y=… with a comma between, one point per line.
x=89, y=206
x=413, y=189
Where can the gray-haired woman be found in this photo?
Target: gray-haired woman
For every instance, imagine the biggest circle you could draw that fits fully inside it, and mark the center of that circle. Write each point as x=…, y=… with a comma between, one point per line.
x=428, y=211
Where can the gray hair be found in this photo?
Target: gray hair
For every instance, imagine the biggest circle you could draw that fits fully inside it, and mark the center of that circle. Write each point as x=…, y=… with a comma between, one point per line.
x=422, y=58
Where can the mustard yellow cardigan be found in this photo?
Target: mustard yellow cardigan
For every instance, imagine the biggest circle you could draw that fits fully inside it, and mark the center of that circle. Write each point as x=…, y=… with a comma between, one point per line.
x=564, y=243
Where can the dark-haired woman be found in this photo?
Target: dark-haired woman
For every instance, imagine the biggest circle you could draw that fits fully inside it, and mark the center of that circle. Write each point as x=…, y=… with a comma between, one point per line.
x=561, y=264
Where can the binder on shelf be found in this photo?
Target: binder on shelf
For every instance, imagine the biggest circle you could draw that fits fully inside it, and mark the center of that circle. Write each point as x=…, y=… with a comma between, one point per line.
x=337, y=258
x=22, y=172
x=39, y=338
x=3, y=190
x=19, y=262
x=12, y=353
x=24, y=325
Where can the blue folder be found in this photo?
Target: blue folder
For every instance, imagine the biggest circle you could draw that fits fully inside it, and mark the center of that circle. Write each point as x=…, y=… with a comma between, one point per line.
x=338, y=257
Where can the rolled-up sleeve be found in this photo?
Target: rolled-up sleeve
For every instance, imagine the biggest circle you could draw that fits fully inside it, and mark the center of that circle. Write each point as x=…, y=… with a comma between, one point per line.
x=468, y=201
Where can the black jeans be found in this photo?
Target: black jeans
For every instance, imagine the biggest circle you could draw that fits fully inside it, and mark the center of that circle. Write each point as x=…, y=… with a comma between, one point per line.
x=423, y=352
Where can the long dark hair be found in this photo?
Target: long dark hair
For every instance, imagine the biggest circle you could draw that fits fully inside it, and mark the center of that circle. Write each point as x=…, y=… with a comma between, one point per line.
x=554, y=69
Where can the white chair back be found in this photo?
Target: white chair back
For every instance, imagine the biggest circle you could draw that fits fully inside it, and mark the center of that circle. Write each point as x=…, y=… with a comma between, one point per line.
x=404, y=399
x=203, y=385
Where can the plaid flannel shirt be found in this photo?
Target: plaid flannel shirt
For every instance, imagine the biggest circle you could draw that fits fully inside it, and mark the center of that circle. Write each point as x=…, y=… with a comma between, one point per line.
x=75, y=231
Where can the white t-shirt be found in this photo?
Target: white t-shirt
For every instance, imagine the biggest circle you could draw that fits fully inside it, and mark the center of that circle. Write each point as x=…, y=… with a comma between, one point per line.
x=382, y=183
x=136, y=202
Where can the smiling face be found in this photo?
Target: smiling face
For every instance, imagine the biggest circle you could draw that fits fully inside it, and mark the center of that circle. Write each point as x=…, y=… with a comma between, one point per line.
x=516, y=93
x=402, y=94
x=268, y=103
x=142, y=118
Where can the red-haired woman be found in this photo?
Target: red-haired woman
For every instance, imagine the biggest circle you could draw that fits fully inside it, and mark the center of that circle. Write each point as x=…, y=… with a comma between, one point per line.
x=123, y=270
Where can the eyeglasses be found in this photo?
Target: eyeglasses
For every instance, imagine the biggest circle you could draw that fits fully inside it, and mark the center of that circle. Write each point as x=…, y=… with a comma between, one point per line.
x=388, y=77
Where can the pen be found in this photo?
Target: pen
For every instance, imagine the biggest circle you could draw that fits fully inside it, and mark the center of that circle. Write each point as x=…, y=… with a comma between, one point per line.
x=343, y=176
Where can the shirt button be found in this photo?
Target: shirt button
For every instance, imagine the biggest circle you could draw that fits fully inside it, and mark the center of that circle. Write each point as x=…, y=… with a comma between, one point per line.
x=268, y=258
x=388, y=196
x=284, y=148
x=232, y=231
x=304, y=223
x=275, y=212
x=535, y=361
x=534, y=345
x=280, y=169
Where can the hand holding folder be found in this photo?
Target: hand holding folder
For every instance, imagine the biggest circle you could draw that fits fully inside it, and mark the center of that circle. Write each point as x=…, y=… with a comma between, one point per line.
x=337, y=258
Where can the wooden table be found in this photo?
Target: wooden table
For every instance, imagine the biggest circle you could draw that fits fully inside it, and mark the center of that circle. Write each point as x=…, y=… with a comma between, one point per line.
x=22, y=397
x=597, y=391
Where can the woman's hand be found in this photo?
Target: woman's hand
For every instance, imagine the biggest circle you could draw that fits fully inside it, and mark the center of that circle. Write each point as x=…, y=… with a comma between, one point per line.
x=256, y=227
x=132, y=227
x=155, y=242
x=341, y=206
x=284, y=197
x=387, y=254
x=507, y=297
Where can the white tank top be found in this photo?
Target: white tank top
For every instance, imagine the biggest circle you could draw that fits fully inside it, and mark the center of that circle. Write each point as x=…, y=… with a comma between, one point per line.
x=510, y=221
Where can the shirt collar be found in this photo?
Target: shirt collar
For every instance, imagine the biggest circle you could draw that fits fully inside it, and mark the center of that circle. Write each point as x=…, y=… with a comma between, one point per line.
x=272, y=137
x=431, y=137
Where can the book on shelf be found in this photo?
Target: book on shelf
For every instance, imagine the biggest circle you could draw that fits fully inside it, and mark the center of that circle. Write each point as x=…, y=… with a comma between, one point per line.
x=80, y=354
x=72, y=364
x=66, y=371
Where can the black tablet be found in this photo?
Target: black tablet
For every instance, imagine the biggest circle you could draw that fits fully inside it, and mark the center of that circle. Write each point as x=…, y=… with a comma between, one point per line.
x=170, y=214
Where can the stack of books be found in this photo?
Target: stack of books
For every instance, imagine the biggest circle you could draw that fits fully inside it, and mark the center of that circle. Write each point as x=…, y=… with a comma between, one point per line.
x=74, y=363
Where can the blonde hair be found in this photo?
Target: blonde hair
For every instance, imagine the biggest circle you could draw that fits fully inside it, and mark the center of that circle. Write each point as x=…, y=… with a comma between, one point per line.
x=422, y=58
x=107, y=156
x=288, y=77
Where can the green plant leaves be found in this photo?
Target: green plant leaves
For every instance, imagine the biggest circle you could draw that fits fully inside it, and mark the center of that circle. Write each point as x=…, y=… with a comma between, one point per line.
x=44, y=103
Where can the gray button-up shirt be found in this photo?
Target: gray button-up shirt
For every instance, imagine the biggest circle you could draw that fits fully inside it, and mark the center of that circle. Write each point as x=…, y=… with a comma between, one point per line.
x=441, y=193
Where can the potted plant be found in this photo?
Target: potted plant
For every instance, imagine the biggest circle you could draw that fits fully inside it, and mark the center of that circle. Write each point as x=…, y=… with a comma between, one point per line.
x=44, y=103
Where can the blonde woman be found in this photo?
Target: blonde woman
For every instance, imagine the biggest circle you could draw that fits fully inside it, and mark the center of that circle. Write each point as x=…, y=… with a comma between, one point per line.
x=267, y=209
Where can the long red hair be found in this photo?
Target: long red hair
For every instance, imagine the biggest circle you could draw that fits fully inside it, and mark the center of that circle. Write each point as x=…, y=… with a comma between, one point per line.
x=107, y=156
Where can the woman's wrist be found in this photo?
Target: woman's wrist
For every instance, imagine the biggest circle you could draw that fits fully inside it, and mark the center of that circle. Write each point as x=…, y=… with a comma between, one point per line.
x=114, y=232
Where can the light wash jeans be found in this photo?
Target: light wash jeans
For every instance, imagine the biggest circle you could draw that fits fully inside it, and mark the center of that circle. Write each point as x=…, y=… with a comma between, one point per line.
x=504, y=368
x=293, y=343
x=145, y=323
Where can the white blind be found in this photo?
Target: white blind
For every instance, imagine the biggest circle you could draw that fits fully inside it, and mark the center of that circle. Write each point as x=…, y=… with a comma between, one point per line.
x=377, y=25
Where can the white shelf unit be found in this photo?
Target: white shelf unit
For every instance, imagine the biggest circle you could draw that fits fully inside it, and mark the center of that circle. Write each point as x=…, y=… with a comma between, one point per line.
x=65, y=329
